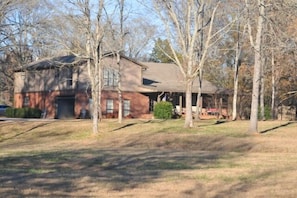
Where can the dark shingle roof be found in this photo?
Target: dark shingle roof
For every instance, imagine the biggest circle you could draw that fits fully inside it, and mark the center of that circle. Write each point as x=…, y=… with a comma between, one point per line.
x=168, y=77
x=68, y=60
x=51, y=63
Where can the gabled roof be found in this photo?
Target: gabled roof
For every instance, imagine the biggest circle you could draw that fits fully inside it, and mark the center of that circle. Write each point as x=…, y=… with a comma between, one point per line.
x=168, y=77
x=68, y=60
x=48, y=63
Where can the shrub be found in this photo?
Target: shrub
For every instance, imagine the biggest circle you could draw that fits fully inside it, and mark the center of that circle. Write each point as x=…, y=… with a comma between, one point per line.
x=163, y=110
x=23, y=112
x=20, y=113
x=9, y=112
x=35, y=113
x=32, y=112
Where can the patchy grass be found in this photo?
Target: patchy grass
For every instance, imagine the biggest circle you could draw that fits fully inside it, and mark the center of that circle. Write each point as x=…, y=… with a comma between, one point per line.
x=147, y=158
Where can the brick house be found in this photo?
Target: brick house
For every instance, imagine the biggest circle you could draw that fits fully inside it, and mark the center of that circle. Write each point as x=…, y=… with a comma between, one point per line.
x=60, y=87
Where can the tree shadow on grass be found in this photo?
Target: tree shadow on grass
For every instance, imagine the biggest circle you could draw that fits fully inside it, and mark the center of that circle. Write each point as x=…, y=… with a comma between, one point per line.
x=135, y=123
x=276, y=127
x=210, y=122
x=24, y=132
x=263, y=183
x=125, y=126
x=66, y=173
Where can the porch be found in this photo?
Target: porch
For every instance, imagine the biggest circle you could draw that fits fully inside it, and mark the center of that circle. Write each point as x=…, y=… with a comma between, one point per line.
x=210, y=105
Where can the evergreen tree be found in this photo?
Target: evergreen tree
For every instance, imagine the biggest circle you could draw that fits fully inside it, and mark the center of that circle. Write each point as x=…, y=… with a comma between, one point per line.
x=161, y=52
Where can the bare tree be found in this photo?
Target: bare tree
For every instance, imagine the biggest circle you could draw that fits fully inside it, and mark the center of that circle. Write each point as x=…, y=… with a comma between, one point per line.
x=6, y=6
x=92, y=30
x=184, y=20
x=281, y=43
x=6, y=71
x=272, y=41
x=257, y=44
x=20, y=22
x=94, y=52
x=118, y=54
x=238, y=49
x=140, y=35
x=116, y=44
x=82, y=34
x=237, y=34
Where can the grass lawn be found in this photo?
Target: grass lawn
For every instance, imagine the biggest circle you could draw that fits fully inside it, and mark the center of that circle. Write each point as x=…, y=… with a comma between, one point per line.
x=147, y=158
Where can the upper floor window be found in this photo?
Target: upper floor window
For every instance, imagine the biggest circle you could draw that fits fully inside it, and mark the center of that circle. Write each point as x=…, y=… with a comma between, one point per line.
x=69, y=76
x=110, y=77
x=63, y=75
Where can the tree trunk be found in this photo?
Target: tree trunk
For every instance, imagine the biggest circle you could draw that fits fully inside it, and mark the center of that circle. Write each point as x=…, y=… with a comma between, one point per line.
x=197, y=113
x=120, y=114
x=257, y=70
x=273, y=86
x=235, y=94
x=189, y=117
x=100, y=74
x=234, y=108
x=92, y=70
x=120, y=98
x=200, y=75
x=95, y=112
x=262, y=91
x=236, y=68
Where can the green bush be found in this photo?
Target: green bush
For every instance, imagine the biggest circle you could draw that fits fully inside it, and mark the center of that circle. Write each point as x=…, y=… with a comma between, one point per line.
x=9, y=112
x=34, y=113
x=20, y=113
x=23, y=112
x=163, y=110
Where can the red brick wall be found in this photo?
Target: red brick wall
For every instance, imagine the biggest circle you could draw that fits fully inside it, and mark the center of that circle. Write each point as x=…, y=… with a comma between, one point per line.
x=41, y=100
x=139, y=104
x=81, y=101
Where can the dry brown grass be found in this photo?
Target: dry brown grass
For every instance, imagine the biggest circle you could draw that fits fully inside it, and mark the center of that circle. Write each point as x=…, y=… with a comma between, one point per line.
x=143, y=158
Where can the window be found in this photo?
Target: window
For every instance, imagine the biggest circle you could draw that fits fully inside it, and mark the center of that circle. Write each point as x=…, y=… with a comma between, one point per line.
x=69, y=77
x=110, y=77
x=26, y=101
x=67, y=74
x=126, y=106
x=109, y=106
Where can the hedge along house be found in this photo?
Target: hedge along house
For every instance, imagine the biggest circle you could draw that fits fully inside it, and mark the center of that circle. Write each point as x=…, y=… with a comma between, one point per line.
x=167, y=83
x=60, y=87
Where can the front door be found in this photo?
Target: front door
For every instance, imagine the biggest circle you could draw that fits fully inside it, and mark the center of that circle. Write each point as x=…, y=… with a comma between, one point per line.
x=65, y=107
